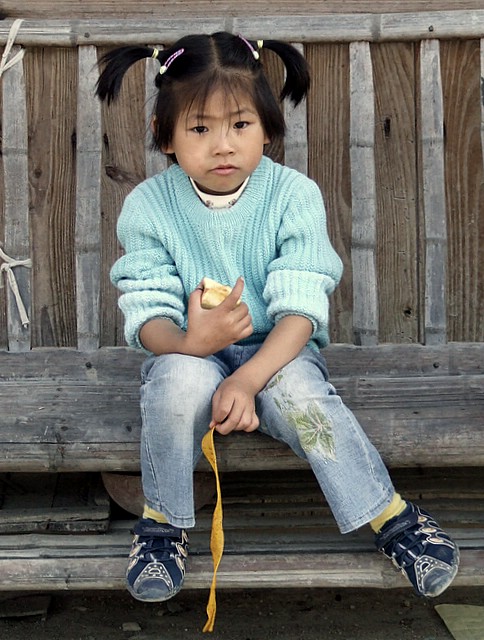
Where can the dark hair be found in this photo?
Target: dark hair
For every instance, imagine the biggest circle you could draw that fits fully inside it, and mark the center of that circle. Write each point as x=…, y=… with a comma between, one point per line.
x=207, y=63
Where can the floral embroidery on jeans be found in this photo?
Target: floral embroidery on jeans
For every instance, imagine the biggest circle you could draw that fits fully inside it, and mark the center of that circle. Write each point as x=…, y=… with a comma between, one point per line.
x=314, y=429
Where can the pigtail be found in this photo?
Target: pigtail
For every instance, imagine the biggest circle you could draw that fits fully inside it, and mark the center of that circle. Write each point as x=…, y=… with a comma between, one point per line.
x=116, y=63
x=297, y=81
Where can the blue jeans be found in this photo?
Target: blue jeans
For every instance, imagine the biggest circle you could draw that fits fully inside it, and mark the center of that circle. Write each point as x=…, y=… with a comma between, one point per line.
x=298, y=406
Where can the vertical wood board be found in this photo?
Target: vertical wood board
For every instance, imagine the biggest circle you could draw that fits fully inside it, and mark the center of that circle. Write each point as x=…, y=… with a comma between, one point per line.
x=88, y=194
x=3, y=293
x=51, y=98
x=363, y=192
x=16, y=197
x=396, y=188
x=433, y=184
x=464, y=180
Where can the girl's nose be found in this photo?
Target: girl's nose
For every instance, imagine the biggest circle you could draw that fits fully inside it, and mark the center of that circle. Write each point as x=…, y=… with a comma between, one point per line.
x=223, y=143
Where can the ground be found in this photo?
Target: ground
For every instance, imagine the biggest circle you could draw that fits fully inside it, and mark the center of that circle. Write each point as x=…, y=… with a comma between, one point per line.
x=279, y=614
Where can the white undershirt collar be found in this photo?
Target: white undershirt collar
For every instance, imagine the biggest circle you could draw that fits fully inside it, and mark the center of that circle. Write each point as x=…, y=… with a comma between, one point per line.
x=222, y=201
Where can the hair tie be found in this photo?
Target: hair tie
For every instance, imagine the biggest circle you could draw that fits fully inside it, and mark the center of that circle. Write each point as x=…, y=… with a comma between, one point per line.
x=168, y=62
x=254, y=52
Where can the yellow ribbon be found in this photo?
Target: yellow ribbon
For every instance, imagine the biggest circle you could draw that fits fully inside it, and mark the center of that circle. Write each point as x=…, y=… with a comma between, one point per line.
x=217, y=535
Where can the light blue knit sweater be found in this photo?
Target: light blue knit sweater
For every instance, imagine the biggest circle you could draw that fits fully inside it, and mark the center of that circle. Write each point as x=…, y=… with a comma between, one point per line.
x=275, y=236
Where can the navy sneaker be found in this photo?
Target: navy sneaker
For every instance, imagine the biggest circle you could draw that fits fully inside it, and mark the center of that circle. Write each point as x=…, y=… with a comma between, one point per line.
x=156, y=568
x=420, y=549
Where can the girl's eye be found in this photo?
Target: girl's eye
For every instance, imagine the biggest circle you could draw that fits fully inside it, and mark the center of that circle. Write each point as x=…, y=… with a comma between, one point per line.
x=241, y=125
x=200, y=129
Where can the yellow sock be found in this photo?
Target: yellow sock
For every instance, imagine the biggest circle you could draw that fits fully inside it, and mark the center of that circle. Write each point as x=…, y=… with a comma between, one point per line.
x=395, y=508
x=148, y=512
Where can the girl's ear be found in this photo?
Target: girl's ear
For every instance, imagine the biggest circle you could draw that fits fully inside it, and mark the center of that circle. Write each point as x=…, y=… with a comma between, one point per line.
x=153, y=125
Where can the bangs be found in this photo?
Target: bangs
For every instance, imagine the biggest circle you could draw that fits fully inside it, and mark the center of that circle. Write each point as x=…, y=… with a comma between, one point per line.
x=193, y=97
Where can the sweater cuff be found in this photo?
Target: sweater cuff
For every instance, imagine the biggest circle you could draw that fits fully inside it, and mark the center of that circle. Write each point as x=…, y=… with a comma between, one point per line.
x=141, y=313
x=301, y=293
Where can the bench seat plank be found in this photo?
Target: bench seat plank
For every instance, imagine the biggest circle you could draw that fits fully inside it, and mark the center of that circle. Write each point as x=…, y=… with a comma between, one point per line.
x=63, y=410
x=73, y=562
x=355, y=570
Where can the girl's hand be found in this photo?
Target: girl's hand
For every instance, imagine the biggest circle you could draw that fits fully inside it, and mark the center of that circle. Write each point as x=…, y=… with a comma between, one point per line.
x=210, y=330
x=233, y=407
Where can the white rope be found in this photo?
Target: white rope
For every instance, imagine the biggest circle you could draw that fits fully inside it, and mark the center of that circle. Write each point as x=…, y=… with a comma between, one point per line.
x=6, y=267
x=4, y=64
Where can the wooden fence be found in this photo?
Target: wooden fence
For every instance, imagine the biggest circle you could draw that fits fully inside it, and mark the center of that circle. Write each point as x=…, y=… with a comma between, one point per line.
x=392, y=132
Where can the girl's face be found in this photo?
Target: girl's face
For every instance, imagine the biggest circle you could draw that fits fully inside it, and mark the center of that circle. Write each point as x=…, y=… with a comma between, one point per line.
x=220, y=147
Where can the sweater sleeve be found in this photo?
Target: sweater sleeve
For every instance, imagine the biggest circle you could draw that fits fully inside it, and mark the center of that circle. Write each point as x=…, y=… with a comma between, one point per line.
x=306, y=269
x=146, y=274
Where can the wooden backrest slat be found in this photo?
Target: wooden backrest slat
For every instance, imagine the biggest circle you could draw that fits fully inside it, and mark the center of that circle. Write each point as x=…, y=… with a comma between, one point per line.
x=370, y=27
x=482, y=101
x=88, y=241
x=363, y=190
x=433, y=181
x=16, y=199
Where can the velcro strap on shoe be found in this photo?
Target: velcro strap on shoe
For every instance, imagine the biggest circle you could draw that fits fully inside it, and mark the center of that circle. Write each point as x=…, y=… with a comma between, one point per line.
x=156, y=530
x=401, y=525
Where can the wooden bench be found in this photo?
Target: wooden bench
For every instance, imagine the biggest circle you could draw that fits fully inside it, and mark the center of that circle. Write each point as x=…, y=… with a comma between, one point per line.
x=408, y=348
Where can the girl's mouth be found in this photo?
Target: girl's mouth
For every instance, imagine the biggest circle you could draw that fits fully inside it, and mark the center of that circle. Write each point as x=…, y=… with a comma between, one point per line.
x=224, y=170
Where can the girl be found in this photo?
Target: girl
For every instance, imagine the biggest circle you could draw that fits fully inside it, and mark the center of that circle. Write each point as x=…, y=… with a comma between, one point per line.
x=226, y=211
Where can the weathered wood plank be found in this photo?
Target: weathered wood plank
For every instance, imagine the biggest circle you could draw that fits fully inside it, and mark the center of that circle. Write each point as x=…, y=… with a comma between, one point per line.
x=433, y=182
x=245, y=572
x=120, y=365
x=370, y=27
x=16, y=200
x=52, y=77
x=464, y=177
x=95, y=425
x=383, y=27
x=481, y=42
x=149, y=8
x=3, y=294
x=363, y=191
x=397, y=220
x=88, y=209
x=86, y=452
x=39, y=562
